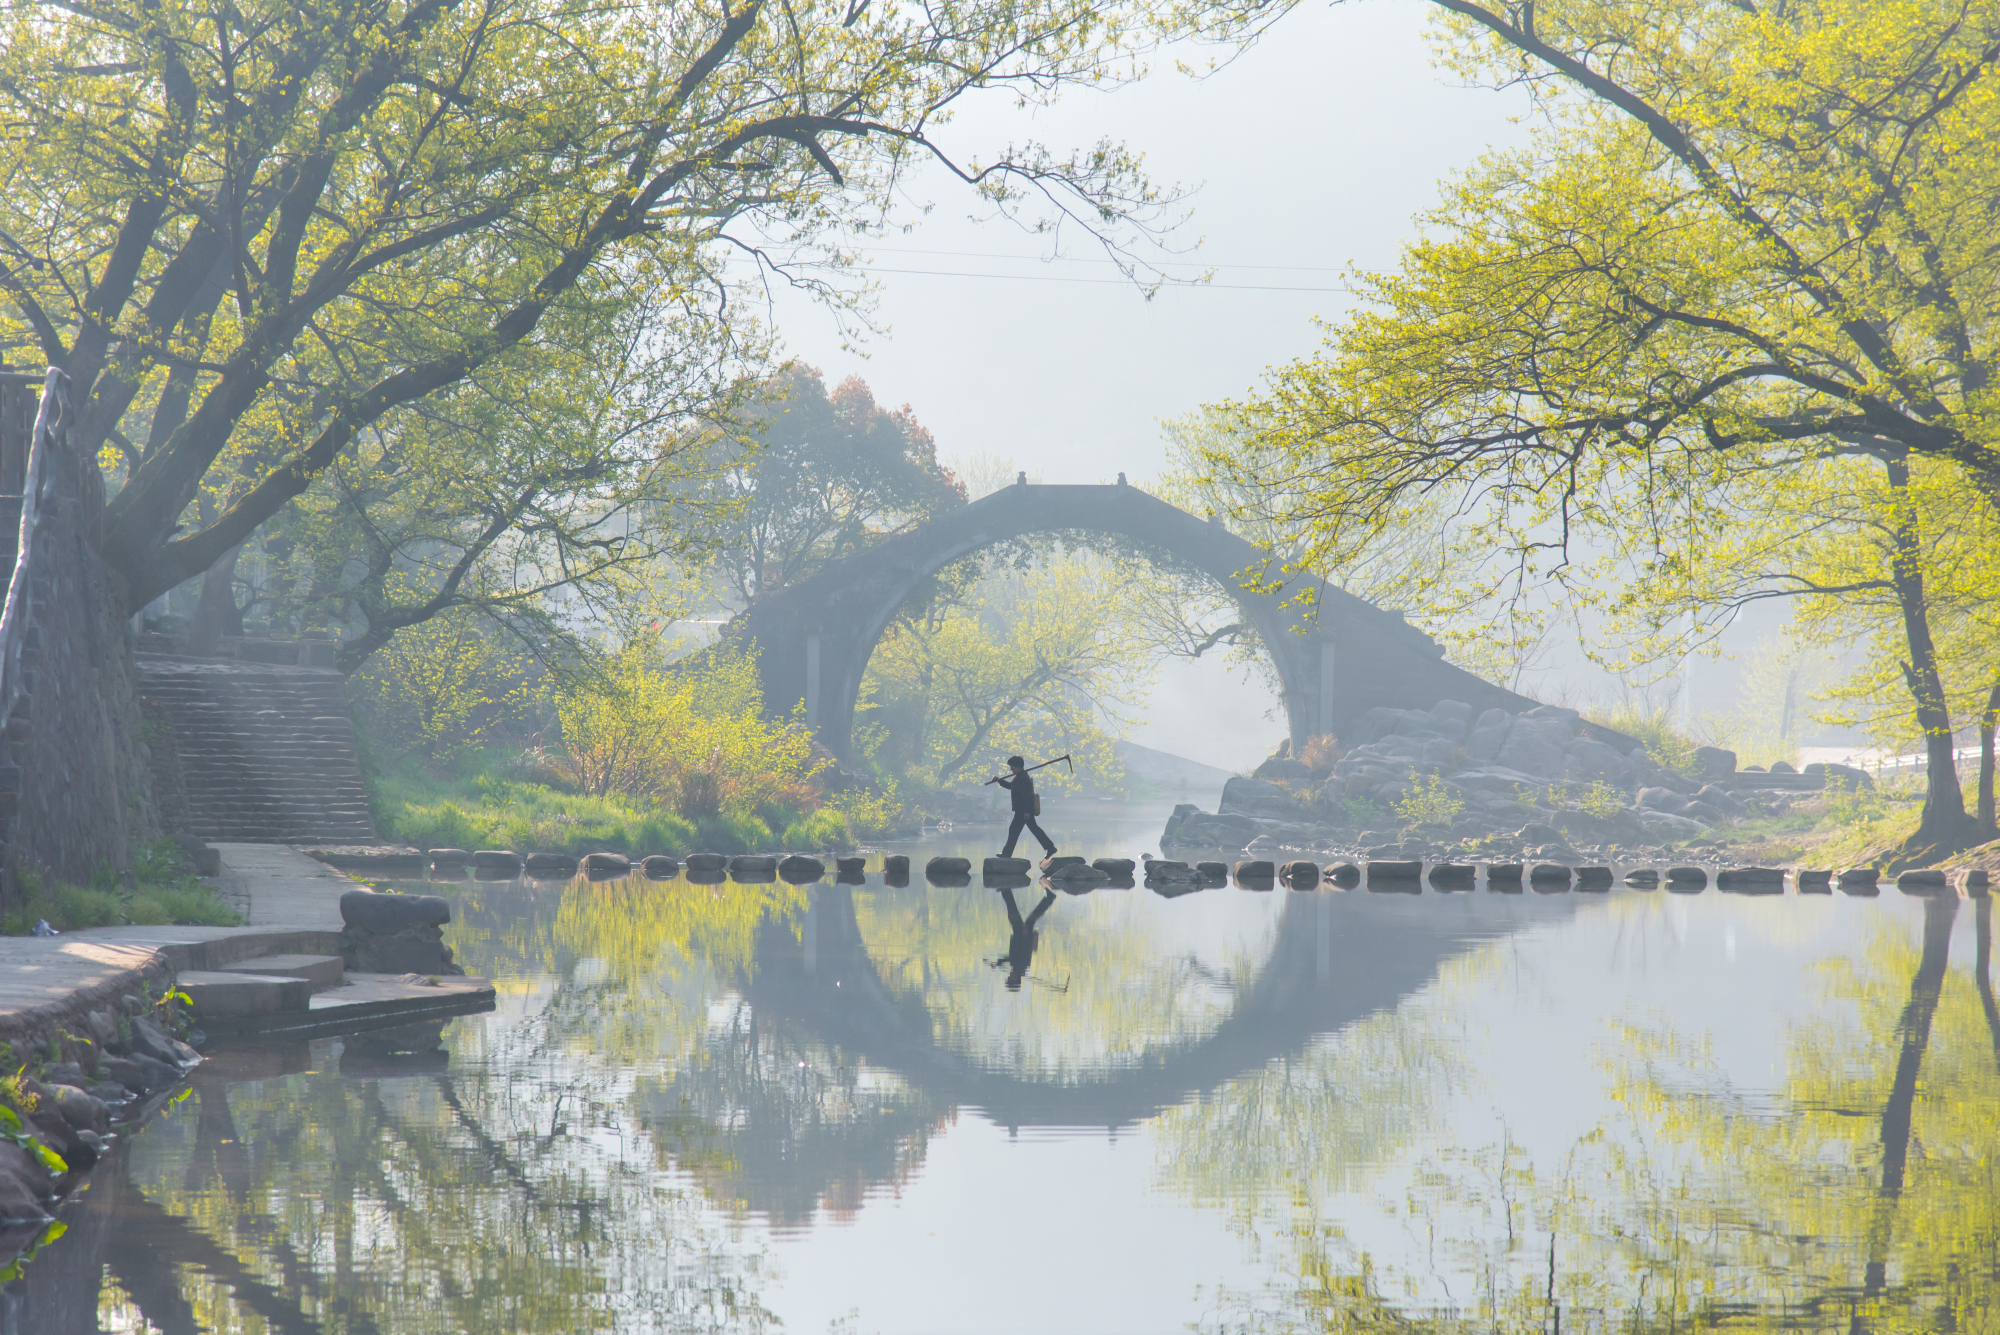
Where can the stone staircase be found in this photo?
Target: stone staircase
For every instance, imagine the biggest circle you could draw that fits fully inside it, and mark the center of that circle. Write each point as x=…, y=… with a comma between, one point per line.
x=248, y=753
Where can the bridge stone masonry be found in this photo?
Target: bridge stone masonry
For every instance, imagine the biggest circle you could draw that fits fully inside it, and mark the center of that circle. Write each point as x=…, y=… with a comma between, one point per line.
x=1336, y=659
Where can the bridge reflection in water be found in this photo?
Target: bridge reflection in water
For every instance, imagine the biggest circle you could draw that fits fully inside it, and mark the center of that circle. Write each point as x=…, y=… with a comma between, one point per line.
x=683, y=1086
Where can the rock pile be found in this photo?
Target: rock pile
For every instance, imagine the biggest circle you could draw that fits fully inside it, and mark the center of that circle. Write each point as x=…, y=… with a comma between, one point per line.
x=1544, y=777
x=64, y=1098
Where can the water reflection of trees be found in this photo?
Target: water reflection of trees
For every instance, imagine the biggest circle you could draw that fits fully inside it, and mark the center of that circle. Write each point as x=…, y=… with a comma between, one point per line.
x=1863, y=1195
x=453, y=1203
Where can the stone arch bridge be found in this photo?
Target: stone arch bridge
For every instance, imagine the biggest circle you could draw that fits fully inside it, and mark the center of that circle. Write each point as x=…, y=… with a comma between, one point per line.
x=1335, y=660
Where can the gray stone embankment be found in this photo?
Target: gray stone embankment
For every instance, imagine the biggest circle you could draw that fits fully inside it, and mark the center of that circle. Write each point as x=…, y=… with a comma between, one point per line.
x=1540, y=780
x=84, y=1016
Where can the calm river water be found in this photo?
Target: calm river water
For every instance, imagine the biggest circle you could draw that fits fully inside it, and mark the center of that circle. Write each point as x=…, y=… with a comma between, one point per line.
x=822, y=1109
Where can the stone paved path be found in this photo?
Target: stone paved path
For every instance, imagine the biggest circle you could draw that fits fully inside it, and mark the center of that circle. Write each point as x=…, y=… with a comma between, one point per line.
x=290, y=902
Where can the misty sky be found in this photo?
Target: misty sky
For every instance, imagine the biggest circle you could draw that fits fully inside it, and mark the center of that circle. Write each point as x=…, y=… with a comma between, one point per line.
x=1311, y=152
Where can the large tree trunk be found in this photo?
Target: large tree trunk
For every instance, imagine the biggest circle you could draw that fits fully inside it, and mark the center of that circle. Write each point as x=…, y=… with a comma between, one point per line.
x=215, y=615
x=1945, y=827
x=1989, y=722
x=1914, y=1027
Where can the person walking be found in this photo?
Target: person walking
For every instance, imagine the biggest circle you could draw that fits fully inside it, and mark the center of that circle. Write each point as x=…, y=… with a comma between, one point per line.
x=1025, y=806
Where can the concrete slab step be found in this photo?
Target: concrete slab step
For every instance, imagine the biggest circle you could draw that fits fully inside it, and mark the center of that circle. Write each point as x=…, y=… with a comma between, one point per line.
x=225, y=995
x=322, y=971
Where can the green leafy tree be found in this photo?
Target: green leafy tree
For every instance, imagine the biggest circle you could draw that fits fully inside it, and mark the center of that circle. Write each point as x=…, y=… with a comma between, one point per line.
x=252, y=235
x=818, y=475
x=1750, y=239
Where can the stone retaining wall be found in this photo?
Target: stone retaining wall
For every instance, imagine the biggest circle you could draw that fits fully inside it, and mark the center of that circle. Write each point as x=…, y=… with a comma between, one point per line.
x=75, y=788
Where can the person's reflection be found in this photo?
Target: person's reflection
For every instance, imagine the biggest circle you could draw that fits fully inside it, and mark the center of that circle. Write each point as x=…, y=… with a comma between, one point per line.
x=1022, y=938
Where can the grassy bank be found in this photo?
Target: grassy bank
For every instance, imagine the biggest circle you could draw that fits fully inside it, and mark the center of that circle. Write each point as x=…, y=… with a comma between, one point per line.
x=161, y=896
x=478, y=803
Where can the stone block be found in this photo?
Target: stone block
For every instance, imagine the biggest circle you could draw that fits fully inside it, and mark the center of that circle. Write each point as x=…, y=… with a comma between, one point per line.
x=1003, y=867
x=550, y=864
x=321, y=971
x=753, y=864
x=1504, y=878
x=1975, y=881
x=1076, y=876
x=1859, y=881
x=1751, y=881
x=1549, y=878
x=1300, y=875
x=1256, y=874
x=707, y=862
x=448, y=857
x=1399, y=869
x=1113, y=867
x=601, y=866
x=496, y=860
x=895, y=864
x=798, y=869
x=385, y=914
x=1157, y=867
x=1593, y=879
x=1453, y=876
x=1212, y=873
x=853, y=866
x=659, y=867
x=1815, y=882
x=1925, y=881
x=946, y=866
x=1687, y=880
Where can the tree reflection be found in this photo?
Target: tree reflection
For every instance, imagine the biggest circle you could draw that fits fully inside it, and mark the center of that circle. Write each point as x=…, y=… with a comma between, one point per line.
x=1863, y=1196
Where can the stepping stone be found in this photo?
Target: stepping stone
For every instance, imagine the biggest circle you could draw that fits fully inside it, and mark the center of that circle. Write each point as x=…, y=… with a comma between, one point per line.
x=1212, y=874
x=1003, y=867
x=948, y=871
x=1113, y=867
x=1686, y=880
x=1549, y=878
x=1052, y=863
x=799, y=869
x=1927, y=881
x=1301, y=875
x=1077, y=878
x=1751, y=881
x=448, y=857
x=1503, y=878
x=658, y=867
x=850, y=866
x=1155, y=867
x=1815, y=883
x=707, y=862
x=1448, y=876
x=550, y=864
x=1861, y=881
x=1593, y=880
x=1256, y=874
x=1976, y=882
x=753, y=868
x=496, y=859
x=1404, y=870
x=895, y=864
x=1343, y=874
x=228, y=995
x=602, y=866
x=1643, y=878
x=321, y=971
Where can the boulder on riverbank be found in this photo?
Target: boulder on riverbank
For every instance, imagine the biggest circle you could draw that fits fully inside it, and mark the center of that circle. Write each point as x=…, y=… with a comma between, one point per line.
x=1544, y=778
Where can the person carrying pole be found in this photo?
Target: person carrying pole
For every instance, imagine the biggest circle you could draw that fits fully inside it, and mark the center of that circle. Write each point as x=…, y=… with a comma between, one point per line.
x=1026, y=806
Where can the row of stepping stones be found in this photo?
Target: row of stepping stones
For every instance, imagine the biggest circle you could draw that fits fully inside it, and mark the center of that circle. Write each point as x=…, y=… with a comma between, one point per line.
x=1076, y=873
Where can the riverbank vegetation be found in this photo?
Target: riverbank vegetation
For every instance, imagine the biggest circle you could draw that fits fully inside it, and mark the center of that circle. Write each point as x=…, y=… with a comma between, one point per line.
x=159, y=894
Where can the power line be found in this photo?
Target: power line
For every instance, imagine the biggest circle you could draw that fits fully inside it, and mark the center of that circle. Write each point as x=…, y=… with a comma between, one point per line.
x=1075, y=259
x=1112, y=282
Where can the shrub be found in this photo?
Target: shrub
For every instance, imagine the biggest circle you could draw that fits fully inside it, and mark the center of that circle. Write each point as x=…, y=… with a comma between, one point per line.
x=1320, y=753
x=1669, y=747
x=68, y=908
x=825, y=828
x=1359, y=810
x=1429, y=803
x=1602, y=800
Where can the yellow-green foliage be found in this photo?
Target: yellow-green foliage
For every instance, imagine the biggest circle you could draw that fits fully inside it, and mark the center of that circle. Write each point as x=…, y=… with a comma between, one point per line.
x=437, y=687
x=1602, y=800
x=1031, y=663
x=1429, y=803
x=693, y=736
x=1669, y=747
